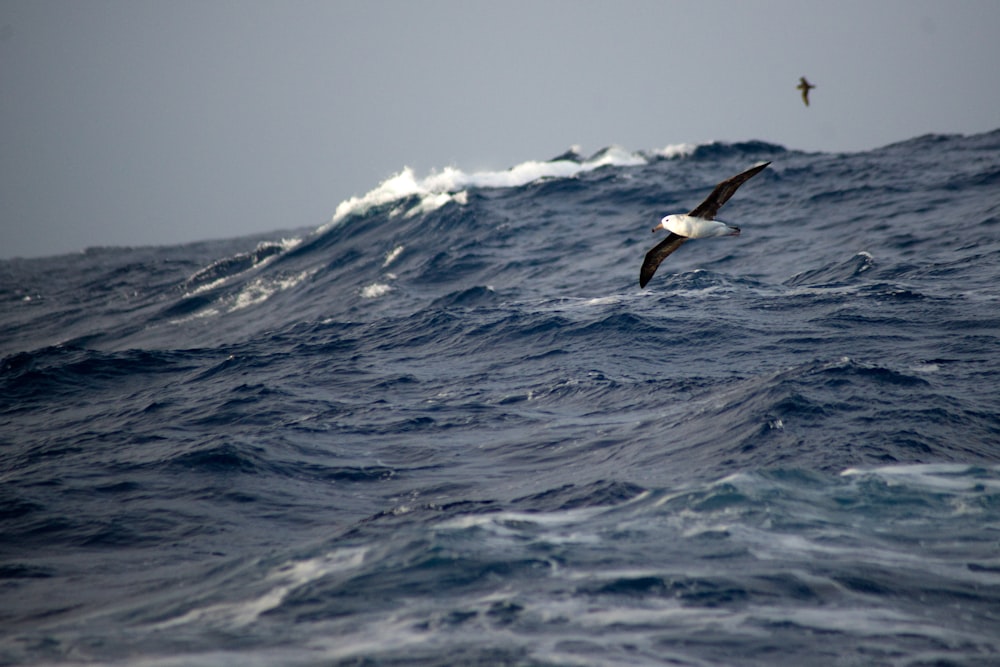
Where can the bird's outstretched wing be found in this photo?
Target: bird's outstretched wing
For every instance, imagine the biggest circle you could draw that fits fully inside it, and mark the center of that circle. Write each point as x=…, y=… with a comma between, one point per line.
x=657, y=255
x=804, y=86
x=722, y=192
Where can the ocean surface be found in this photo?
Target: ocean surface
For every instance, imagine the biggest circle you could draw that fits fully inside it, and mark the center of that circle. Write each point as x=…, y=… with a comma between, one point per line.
x=449, y=428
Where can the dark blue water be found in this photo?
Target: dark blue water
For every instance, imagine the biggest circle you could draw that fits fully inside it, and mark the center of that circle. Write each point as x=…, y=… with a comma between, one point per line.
x=448, y=428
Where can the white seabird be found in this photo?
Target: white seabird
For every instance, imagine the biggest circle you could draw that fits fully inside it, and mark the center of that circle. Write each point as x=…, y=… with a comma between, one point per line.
x=700, y=223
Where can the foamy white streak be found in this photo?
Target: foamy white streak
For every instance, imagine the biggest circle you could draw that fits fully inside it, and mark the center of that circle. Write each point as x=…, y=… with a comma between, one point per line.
x=391, y=256
x=280, y=581
x=262, y=289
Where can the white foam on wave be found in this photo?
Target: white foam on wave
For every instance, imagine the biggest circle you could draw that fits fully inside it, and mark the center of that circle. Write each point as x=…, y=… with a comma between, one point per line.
x=253, y=260
x=676, y=150
x=262, y=289
x=201, y=314
x=434, y=191
x=277, y=585
x=375, y=290
x=450, y=184
x=941, y=477
x=391, y=256
x=255, y=292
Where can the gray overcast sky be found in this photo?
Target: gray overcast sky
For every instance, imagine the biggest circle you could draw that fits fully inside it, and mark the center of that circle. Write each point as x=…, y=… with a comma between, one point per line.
x=134, y=122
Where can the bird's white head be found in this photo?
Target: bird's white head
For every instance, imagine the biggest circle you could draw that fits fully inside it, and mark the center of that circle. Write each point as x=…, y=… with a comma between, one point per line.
x=665, y=222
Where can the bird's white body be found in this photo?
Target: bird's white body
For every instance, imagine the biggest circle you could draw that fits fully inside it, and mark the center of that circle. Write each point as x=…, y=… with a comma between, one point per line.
x=696, y=228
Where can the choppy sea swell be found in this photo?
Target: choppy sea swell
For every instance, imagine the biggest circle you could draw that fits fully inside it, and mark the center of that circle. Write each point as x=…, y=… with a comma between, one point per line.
x=449, y=428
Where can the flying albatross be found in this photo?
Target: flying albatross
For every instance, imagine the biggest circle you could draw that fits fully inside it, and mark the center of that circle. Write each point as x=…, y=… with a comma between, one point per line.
x=700, y=223
x=804, y=86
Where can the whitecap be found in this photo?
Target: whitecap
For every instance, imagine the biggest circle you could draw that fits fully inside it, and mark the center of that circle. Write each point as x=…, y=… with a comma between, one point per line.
x=926, y=368
x=450, y=184
x=262, y=289
x=391, y=256
x=278, y=584
x=221, y=271
x=942, y=477
x=676, y=150
x=375, y=290
x=431, y=202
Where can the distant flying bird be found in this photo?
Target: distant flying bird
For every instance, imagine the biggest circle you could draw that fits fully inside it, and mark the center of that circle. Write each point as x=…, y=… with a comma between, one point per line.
x=700, y=223
x=804, y=86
